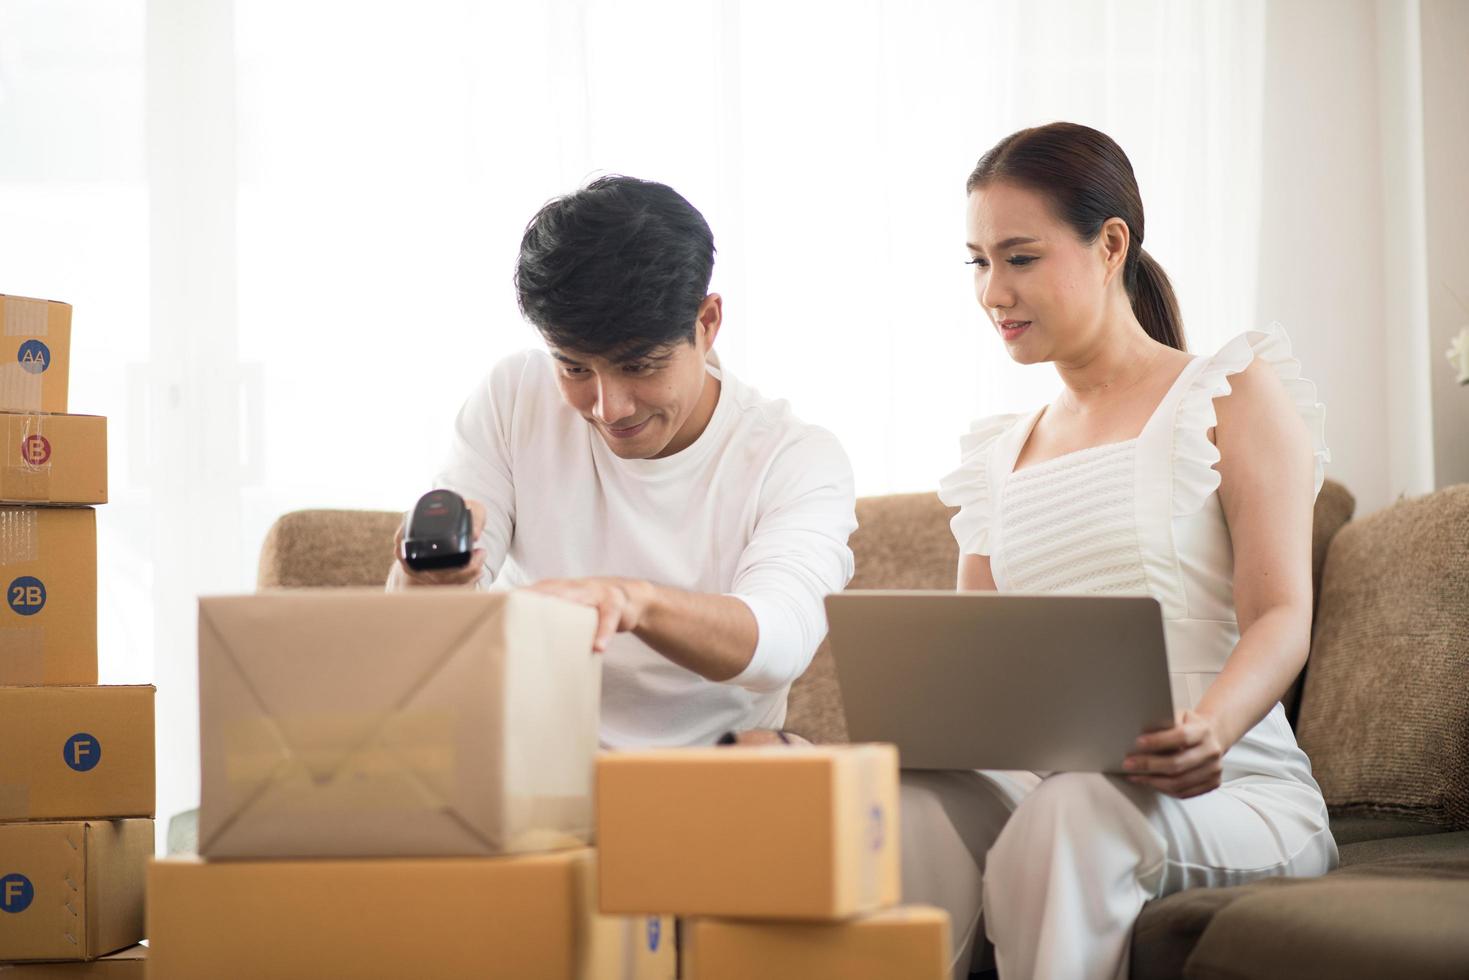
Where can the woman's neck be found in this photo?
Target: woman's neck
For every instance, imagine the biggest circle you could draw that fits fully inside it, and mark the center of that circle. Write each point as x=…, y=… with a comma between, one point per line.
x=1122, y=355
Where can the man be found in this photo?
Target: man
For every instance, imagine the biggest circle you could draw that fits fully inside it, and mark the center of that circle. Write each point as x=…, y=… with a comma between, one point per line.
x=623, y=469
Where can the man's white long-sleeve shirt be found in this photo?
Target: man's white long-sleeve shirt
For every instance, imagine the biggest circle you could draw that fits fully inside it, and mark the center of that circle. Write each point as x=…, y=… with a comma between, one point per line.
x=759, y=507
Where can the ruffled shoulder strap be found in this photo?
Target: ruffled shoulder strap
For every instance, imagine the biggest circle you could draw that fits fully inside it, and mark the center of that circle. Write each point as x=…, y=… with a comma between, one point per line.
x=968, y=487
x=1194, y=475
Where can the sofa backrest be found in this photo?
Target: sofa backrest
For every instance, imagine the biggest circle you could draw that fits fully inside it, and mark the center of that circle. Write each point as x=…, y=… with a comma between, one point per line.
x=1385, y=713
x=1334, y=507
x=328, y=549
x=902, y=541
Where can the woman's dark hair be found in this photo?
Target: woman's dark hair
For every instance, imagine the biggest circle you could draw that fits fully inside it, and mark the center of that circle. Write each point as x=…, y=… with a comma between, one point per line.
x=1088, y=179
x=617, y=269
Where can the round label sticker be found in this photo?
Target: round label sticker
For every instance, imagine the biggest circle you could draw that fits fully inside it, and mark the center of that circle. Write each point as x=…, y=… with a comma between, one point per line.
x=16, y=893
x=82, y=752
x=875, y=830
x=34, y=356
x=35, y=449
x=655, y=933
x=26, y=595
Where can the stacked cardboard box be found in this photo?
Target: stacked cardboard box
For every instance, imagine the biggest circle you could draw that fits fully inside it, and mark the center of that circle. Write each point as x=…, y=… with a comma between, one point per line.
x=396, y=785
x=76, y=776
x=784, y=862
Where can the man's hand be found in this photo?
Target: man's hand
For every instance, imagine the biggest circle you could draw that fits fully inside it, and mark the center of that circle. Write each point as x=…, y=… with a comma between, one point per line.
x=620, y=602
x=467, y=575
x=1185, y=760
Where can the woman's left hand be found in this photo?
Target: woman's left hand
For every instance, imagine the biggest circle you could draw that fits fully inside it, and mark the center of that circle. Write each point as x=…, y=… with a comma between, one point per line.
x=1185, y=760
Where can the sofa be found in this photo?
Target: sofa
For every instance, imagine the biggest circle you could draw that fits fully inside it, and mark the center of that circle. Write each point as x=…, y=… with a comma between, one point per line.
x=1382, y=709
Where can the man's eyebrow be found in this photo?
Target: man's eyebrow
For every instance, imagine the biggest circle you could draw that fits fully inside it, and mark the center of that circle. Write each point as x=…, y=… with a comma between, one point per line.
x=650, y=354
x=1007, y=243
x=564, y=359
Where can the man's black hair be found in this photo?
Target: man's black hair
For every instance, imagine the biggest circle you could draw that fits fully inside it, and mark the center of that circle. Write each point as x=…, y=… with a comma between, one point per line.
x=617, y=269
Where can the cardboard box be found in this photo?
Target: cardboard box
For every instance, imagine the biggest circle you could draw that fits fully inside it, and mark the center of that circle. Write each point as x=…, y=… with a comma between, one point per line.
x=72, y=891
x=76, y=753
x=528, y=917
x=632, y=947
x=779, y=832
x=35, y=354
x=48, y=568
x=53, y=459
x=126, y=964
x=340, y=723
x=910, y=942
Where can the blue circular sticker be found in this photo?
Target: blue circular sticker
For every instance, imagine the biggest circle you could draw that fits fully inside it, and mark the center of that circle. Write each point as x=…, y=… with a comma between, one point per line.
x=26, y=595
x=34, y=356
x=876, y=828
x=82, y=752
x=16, y=893
x=655, y=932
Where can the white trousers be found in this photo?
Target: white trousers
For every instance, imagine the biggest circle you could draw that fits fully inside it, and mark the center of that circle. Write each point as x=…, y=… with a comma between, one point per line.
x=1058, y=867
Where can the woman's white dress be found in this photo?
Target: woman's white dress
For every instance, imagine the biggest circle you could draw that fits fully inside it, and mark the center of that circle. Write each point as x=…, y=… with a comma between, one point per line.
x=1061, y=865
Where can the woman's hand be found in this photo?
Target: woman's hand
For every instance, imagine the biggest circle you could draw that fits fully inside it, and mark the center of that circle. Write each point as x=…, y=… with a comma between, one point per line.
x=1185, y=760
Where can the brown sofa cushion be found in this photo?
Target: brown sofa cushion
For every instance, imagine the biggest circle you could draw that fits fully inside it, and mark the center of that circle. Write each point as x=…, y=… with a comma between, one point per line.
x=328, y=549
x=1334, y=507
x=1358, y=828
x=1342, y=927
x=1385, y=714
x=1169, y=930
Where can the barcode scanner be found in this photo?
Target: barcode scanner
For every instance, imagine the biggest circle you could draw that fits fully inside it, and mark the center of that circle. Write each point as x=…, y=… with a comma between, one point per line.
x=440, y=532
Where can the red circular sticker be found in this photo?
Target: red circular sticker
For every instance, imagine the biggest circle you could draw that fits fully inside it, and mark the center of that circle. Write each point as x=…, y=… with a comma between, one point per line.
x=35, y=450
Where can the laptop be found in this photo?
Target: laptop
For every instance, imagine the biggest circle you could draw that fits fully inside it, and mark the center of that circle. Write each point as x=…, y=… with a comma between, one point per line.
x=988, y=680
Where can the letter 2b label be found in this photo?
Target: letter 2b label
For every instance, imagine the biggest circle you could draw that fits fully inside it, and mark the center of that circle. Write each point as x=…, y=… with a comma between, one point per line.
x=26, y=595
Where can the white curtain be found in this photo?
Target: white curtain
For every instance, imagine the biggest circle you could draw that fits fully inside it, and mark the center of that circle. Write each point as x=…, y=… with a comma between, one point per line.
x=288, y=228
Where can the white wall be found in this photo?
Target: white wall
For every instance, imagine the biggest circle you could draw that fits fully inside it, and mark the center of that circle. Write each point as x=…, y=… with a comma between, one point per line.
x=1365, y=229
x=1404, y=322
x=1320, y=241
x=1445, y=26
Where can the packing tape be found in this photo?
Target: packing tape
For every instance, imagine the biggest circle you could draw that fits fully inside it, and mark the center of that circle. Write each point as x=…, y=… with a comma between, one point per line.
x=873, y=827
x=20, y=390
x=631, y=937
x=22, y=654
x=15, y=801
x=74, y=898
x=27, y=453
x=25, y=317
x=20, y=539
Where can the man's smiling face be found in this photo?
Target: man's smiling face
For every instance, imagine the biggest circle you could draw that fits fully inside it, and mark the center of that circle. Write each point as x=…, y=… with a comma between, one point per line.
x=647, y=406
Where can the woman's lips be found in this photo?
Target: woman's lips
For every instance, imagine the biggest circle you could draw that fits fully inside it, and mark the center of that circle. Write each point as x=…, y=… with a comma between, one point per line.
x=1010, y=329
x=629, y=432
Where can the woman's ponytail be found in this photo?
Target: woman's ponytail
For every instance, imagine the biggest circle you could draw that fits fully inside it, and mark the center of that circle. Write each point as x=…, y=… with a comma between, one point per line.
x=1153, y=302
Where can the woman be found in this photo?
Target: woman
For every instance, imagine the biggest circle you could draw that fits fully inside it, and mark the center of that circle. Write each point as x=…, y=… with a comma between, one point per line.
x=1190, y=479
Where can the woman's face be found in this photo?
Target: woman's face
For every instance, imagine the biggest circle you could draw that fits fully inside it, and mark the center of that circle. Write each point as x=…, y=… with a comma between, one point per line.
x=1044, y=289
